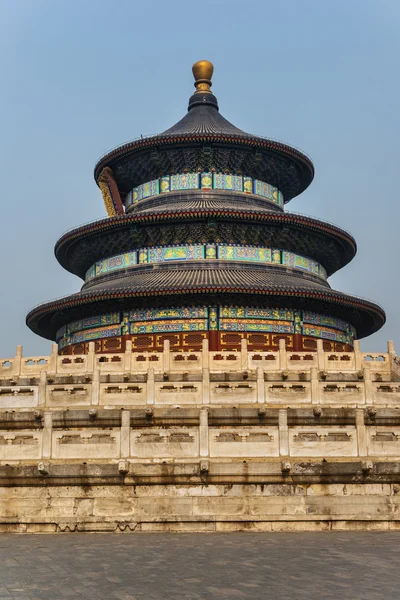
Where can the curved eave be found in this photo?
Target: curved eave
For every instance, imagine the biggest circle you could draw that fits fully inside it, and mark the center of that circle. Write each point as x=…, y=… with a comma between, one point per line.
x=45, y=319
x=252, y=142
x=80, y=234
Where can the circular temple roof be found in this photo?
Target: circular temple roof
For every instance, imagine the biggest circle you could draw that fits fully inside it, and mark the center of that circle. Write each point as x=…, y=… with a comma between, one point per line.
x=203, y=140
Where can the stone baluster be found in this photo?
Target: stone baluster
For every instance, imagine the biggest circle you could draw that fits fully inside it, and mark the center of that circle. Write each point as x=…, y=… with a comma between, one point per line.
x=91, y=358
x=368, y=388
x=42, y=388
x=205, y=355
x=358, y=359
x=203, y=433
x=244, y=356
x=53, y=359
x=128, y=357
x=96, y=387
x=260, y=385
x=150, y=386
x=361, y=432
x=206, y=385
x=321, y=356
x=47, y=434
x=166, y=356
x=17, y=361
x=282, y=355
x=125, y=433
x=283, y=432
x=315, y=397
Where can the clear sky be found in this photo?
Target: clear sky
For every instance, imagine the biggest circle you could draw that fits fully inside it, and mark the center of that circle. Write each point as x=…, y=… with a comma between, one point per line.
x=82, y=76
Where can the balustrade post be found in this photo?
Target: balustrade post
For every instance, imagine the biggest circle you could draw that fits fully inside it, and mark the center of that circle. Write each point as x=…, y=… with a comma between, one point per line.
x=17, y=361
x=150, y=386
x=128, y=356
x=205, y=355
x=361, y=432
x=125, y=433
x=283, y=432
x=166, y=356
x=96, y=387
x=358, y=360
x=321, y=355
x=203, y=432
x=315, y=399
x=47, y=434
x=91, y=357
x=282, y=355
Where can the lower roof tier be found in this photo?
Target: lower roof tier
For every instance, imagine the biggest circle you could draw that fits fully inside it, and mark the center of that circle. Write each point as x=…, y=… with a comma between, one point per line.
x=160, y=288
x=327, y=244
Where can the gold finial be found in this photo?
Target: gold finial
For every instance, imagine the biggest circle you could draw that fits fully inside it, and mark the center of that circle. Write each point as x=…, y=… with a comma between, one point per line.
x=202, y=72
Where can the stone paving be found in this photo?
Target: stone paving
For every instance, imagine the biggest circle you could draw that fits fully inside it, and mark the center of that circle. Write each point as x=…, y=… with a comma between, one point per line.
x=277, y=566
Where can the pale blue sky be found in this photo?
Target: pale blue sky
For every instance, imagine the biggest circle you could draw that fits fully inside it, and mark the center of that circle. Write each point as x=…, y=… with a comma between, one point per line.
x=80, y=77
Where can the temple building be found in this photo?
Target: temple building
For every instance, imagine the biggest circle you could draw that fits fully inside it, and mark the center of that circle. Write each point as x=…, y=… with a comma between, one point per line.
x=198, y=245
x=206, y=377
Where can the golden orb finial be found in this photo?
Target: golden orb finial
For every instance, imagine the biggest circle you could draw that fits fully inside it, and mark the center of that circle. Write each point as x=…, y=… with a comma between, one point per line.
x=202, y=72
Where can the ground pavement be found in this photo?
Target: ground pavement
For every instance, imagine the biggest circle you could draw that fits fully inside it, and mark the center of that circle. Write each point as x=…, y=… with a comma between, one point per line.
x=274, y=566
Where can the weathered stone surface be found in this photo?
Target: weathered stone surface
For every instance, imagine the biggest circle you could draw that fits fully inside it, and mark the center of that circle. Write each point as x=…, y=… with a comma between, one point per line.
x=193, y=441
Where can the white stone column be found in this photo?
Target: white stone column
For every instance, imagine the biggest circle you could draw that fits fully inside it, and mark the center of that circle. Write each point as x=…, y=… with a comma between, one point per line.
x=368, y=389
x=150, y=386
x=205, y=357
x=128, y=357
x=53, y=359
x=283, y=432
x=244, y=357
x=203, y=433
x=282, y=355
x=361, y=433
x=17, y=361
x=166, y=356
x=42, y=388
x=91, y=358
x=206, y=385
x=47, y=434
x=125, y=433
x=358, y=362
x=315, y=398
x=390, y=347
x=260, y=385
x=95, y=387
x=320, y=355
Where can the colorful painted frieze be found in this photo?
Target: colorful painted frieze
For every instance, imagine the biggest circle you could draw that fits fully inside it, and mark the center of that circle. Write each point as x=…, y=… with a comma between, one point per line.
x=90, y=322
x=254, y=325
x=228, y=182
x=176, y=253
x=326, y=333
x=266, y=190
x=143, y=256
x=318, y=319
x=247, y=185
x=185, y=181
x=142, y=314
x=165, y=185
x=211, y=251
x=61, y=332
x=95, y=334
x=206, y=181
x=169, y=326
x=250, y=253
x=233, y=312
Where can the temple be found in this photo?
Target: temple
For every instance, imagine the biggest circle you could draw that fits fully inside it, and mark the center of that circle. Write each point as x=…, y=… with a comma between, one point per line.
x=198, y=245
x=206, y=377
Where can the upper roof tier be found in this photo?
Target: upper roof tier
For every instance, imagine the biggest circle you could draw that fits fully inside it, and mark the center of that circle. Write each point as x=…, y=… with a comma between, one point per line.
x=205, y=141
